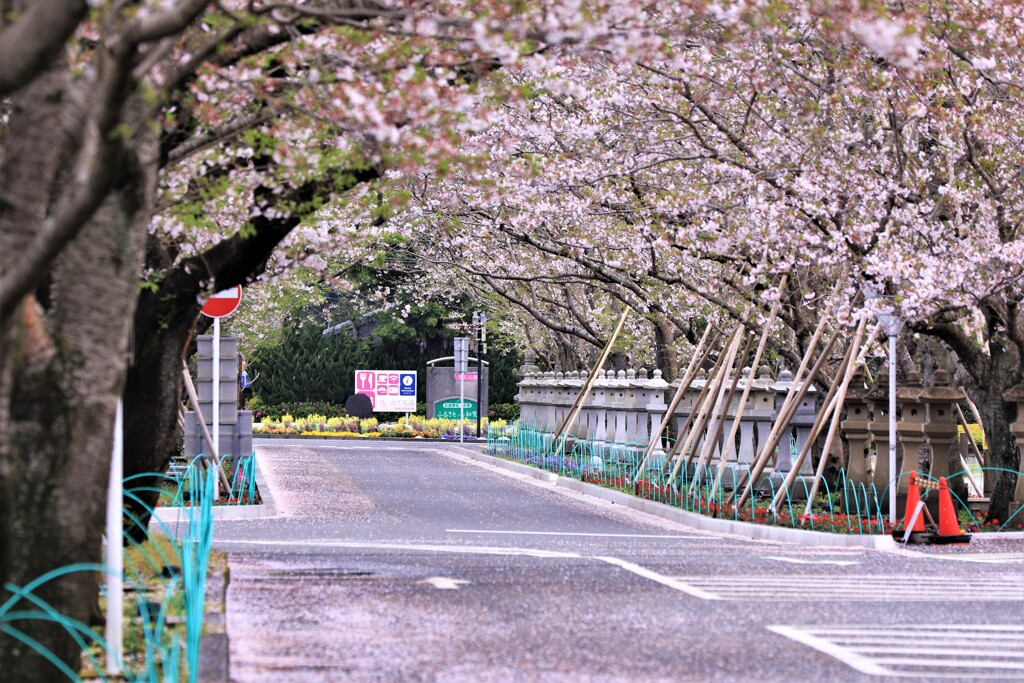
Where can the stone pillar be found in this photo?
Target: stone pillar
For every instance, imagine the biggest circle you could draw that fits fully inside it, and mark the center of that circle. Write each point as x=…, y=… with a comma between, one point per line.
x=784, y=458
x=941, y=424
x=760, y=398
x=761, y=412
x=600, y=406
x=910, y=419
x=857, y=430
x=803, y=420
x=617, y=408
x=879, y=426
x=657, y=404
x=1016, y=394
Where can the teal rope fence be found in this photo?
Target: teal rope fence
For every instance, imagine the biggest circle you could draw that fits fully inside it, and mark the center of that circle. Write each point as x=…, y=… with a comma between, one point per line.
x=180, y=571
x=842, y=505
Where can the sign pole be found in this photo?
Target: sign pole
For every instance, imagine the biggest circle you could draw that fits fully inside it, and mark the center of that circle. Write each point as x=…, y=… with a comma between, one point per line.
x=216, y=395
x=462, y=407
x=115, y=560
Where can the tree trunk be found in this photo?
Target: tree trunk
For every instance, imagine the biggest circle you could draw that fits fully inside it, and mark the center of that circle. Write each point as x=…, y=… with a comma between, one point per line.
x=65, y=386
x=1002, y=372
x=665, y=355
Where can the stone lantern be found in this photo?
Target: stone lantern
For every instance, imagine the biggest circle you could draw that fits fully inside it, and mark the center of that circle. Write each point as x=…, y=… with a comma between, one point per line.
x=941, y=427
x=1016, y=395
x=910, y=419
x=879, y=426
x=756, y=424
x=857, y=429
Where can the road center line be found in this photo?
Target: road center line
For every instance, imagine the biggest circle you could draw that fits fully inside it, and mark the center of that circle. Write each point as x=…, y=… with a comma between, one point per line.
x=575, y=533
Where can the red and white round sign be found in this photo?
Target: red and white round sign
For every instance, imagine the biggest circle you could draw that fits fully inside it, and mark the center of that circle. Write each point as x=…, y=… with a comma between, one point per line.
x=223, y=303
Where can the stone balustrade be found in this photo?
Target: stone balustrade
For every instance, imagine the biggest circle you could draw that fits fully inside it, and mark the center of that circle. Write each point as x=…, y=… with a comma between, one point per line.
x=626, y=407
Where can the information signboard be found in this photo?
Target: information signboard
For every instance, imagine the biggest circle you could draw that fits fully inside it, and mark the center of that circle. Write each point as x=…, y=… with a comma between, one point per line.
x=390, y=391
x=448, y=409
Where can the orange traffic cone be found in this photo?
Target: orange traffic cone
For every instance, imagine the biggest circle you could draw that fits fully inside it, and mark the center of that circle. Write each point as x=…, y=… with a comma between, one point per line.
x=949, y=527
x=913, y=498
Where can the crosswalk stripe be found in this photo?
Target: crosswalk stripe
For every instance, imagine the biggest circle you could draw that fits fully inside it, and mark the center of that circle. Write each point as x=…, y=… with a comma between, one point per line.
x=919, y=650
x=854, y=588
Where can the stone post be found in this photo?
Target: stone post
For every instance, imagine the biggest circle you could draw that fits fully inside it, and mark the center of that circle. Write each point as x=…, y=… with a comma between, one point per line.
x=856, y=426
x=1016, y=394
x=803, y=420
x=784, y=458
x=910, y=419
x=879, y=426
x=757, y=418
x=657, y=404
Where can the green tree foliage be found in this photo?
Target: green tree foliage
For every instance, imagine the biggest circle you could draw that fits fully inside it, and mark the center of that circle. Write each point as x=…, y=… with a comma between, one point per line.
x=301, y=364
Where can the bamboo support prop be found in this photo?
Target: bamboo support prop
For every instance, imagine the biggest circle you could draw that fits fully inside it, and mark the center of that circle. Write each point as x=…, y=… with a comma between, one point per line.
x=721, y=410
x=970, y=439
x=700, y=354
x=853, y=359
x=697, y=418
x=577, y=405
x=793, y=398
x=773, y=437
x=194, y=400
x=710, y=407
x=726, y=450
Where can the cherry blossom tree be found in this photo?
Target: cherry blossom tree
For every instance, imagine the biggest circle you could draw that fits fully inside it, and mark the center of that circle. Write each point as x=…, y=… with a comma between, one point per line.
x=881, y=142
x=194, y=144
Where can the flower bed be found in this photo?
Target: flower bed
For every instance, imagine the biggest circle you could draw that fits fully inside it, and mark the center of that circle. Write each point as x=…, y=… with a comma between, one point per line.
x=413, y=427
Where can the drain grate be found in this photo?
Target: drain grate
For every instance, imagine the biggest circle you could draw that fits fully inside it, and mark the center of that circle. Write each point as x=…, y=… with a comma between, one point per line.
x=318, y=574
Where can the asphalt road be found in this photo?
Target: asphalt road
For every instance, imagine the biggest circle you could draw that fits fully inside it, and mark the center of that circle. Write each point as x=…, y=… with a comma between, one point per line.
x=390, y=563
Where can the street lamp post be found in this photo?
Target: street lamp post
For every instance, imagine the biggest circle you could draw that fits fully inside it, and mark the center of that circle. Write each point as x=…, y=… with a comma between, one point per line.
x=892, y=324
x=479, y=321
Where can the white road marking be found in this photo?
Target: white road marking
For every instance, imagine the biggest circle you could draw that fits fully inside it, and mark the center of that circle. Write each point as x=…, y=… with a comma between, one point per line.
x=659, y=578
x=920, y=650
x=484, y=550
x=793, y=560
x=983, y=558
x=855, y=588
x=576, y=533
x=444, y=583
x=456, y=549
x=858, y=662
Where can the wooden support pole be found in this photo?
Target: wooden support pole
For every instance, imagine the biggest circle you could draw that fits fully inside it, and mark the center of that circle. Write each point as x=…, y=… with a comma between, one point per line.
x=190, y=389
x=853, y=361
x=721, y=409
x=750, y=382
x=970, y=439
x=577, y=406
x=698, y=416
x=793, y=399
x=700, y=354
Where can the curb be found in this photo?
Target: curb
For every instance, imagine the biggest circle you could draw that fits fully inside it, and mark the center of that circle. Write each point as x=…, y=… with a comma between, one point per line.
x=780, y=534
x=219, y=513
x=214, y=651
x=367, y=439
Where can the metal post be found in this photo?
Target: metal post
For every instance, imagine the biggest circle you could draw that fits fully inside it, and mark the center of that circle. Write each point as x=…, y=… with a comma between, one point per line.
x=481, y=342
x=216, y=395
x=892, y=424
x=462, y=406
x=115, y=560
